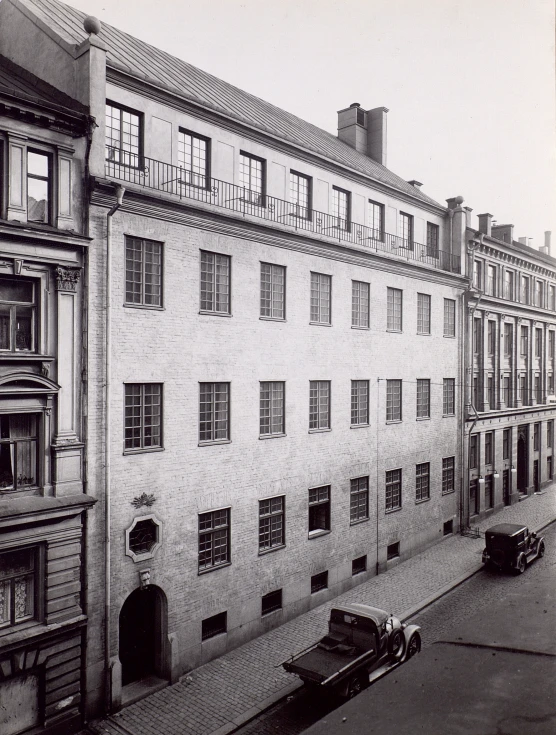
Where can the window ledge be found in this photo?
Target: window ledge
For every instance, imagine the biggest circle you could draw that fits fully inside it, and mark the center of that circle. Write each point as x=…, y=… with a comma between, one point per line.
x=320, y=324
x=423, y=500
x=214, y=313
x=319, y=431
x=449, y=492
x=358, y=522
x=149, y=307
x=271, y=612
x=423, y=418
x=210, y=442
x=395, y=331
x=272, y=436
x=424, y=334
x=393, y=421
x=449, y=336
x=319, y=532
x=448, y=415
x=272, y=319
x=143, y=450
x=263, y=552
x=20, y=356
x=359, y=426
x=213, y=569
x=393, y=510
x=364, y=329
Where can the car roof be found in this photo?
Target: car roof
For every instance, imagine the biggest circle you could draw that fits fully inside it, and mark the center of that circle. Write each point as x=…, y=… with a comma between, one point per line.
x=506, y=529
x=374, y=613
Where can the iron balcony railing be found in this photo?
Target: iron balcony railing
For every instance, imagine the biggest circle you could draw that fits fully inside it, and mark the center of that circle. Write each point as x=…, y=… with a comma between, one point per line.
x=185, y=184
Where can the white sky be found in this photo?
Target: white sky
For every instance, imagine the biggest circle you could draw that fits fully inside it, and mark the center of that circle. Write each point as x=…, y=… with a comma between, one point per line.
x=470, y=85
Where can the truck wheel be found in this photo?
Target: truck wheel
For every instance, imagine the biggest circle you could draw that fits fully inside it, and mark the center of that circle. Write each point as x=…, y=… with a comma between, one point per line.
x=414, y=645
x=521, y=564
x=540, y=553
x=354, y=687
x=396, y=645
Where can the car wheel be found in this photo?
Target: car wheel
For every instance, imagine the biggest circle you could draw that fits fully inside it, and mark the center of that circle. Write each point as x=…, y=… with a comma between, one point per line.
x=354, y=687
x=540, y=552
x=396, y=645
x=521, y=564
x=414, y=645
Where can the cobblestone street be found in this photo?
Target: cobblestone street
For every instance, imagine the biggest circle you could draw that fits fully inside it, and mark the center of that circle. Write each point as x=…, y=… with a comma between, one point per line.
x=227, y=692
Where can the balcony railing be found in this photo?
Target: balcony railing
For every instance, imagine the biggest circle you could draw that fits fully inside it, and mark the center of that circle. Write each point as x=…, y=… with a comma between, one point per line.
x=185, y=184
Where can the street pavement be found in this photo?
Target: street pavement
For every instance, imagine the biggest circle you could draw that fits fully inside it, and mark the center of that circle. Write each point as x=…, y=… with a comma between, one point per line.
x=220, y=696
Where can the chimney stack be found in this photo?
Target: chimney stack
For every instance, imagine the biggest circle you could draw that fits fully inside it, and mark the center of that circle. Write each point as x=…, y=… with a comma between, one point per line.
x=485, y=224
x=364, y=130
x=522, y=240
x=503, y=232
x=547, y=236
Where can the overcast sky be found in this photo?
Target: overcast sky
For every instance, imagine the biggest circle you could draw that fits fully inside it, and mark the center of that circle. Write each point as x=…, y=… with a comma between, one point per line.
x=470, y=85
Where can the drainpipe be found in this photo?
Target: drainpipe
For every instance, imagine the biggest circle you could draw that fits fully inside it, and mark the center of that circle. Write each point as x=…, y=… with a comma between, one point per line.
x=472, y=247
x=119, y=191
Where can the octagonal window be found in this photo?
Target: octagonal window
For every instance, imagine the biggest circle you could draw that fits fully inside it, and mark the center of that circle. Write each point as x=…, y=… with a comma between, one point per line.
x=143, y=537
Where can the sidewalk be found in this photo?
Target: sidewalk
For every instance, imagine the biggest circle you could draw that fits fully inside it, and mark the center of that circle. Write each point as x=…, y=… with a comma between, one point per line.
x=223, y=694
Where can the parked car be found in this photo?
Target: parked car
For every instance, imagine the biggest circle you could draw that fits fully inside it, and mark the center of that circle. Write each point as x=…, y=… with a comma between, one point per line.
x=511, y=546
x=363, y=643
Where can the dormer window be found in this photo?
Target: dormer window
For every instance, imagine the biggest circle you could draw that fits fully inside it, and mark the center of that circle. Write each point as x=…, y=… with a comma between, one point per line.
x=39, y=176
x=17, y=315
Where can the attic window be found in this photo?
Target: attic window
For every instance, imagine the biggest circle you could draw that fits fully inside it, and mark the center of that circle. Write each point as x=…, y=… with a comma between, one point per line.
x=360, y=116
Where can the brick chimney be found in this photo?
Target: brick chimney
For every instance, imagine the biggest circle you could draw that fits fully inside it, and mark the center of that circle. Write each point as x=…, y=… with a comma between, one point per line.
x=547, y=236
x=503, y=232
x=364, y=130
x=485, y=223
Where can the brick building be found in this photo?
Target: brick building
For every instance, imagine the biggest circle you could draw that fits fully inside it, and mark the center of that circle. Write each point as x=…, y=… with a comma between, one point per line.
x=510, y=404
x=43, y=506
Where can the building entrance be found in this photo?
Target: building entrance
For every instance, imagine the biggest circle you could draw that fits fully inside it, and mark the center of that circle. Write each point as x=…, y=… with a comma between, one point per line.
x=141, y=635
x=522, y=459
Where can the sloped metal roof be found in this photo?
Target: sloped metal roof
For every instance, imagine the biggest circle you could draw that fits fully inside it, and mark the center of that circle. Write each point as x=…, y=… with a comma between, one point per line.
x=143, y=61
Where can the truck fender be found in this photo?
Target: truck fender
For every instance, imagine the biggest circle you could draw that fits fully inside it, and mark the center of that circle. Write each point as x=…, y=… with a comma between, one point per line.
x=408, y=631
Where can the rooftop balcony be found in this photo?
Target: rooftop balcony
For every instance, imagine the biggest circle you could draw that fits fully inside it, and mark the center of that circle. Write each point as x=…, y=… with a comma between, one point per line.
x=180, y=183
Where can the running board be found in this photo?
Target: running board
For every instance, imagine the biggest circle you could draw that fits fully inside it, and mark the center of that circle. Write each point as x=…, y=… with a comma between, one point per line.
x=382, y=671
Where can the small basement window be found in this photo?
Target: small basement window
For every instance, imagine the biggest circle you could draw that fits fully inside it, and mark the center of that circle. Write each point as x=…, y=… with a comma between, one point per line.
x=448, y=528
x=359, y=565
x=393, y=551
x=271, y=602
x=213, y=626
x=319, y=582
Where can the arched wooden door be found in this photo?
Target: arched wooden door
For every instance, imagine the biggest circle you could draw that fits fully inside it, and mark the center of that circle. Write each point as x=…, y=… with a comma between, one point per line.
x=141, y=635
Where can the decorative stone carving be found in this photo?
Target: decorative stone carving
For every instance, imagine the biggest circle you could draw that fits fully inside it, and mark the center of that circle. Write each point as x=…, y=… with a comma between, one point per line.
x=142, y=500
x=67, y=278
x=45, y=368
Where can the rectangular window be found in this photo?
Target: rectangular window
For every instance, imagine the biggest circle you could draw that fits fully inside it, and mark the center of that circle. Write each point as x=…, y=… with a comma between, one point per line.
x=423, y=313
x=143, y=416
x=449, y=397
x=18, y=586
x=423, y=399
x=252, y=178
x=319, y=404
x=405, y=224
x=491, y=337
x=506, y=443
x=550, y=383
x=448, y=475
x=538, y=342
x=321, y=298
x=524, y=347
x=539, y=294
x=474, y=452
x=393, y=400
x=19, y=436
x=524, y=289
x=478, y=274
x=489, y=447
x=490, y=393
x=509, y=285
x=123, y=136
x=549, y=470
x=393, y=489
x=523, y=390
x=536, y=437
x=448, y=528
x=194, y=159
x=341, y=201
x=359, y=402
x=476, y=385
x=213, y=626
x=552, y=298
x=359, y=565
x=549, y=433
x=273, y=291
x=39, y=187
x=272, y=409
x=394, y=309
x=538, y=390
x=491, y=285
x=143, y=272
x=360, y=297
x=477, y=336
x=551, y=345
x=319, y=582
x=300, y=194
x=393, y=551
x=432, y=240
x=18, y=315
x=271, y=602
x=508, y=339
x=319, y=510
x=507, y=395
x=422, y=482
x=359, y=500
x=215, y=282
x=214, y=412
x=214, y=539
x=272, y=523
x=449, y=318
x=375, y=220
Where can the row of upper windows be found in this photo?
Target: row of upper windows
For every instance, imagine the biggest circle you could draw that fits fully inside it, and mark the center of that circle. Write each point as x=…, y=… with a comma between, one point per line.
x=492, y=343
x=489, y=444
x=144, y=288
x=124, y=146
x=487, y=391
x=515, y=287
x=143, y=409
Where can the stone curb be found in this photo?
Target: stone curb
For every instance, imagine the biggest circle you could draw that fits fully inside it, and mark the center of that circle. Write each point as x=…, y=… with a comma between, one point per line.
x=286, y=691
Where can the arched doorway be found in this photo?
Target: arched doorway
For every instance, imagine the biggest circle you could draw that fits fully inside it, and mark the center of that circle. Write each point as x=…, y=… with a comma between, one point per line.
x=522, y=459
x=142, y=635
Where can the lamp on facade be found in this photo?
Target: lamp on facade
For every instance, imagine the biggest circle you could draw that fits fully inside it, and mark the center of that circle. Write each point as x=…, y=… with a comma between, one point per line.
x=496, y=474
x=481, y=480
x=513, y=470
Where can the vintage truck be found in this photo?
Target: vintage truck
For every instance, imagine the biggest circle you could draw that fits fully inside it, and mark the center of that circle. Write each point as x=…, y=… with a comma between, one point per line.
x=363, y=644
